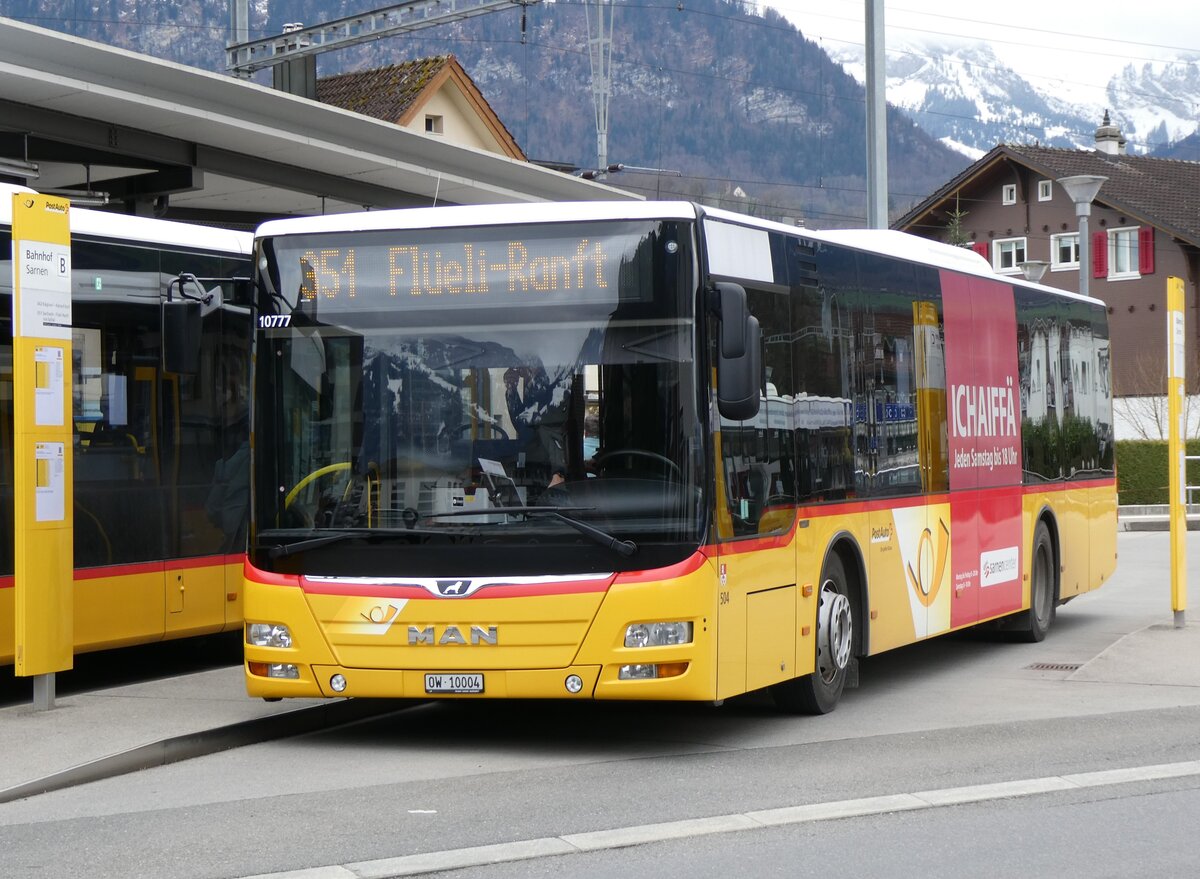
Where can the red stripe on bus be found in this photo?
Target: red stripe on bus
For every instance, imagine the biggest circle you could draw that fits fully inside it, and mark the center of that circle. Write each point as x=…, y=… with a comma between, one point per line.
x=843, y=508
x=154, y=567
x=511, y=590
x=138, y=568
x=268, y=578
x=689, y=565
x=1107, y=482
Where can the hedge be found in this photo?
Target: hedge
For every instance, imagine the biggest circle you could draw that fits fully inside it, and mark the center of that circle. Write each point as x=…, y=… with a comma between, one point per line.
x=1142, y=470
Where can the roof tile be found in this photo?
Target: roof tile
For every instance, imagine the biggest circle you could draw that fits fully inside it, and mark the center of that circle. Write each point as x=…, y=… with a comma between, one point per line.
x=1162, y=192
x=383, y=93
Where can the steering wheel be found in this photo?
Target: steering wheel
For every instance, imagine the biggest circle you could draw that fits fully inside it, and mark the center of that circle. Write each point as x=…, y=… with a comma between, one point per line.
x=671, y=466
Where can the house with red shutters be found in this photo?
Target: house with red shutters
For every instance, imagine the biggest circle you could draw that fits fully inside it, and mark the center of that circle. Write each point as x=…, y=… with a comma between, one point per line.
x=1144, y=227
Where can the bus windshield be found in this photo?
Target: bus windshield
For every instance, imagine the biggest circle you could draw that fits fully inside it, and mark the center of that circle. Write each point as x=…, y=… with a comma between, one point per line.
x=518, y=391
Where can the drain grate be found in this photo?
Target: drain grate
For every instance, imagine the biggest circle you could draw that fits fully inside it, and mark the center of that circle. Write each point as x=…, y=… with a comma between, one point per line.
x=1055, y=666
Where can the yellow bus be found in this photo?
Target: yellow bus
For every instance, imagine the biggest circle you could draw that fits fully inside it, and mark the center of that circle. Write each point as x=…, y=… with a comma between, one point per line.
x=160, y=490
x=654, y=451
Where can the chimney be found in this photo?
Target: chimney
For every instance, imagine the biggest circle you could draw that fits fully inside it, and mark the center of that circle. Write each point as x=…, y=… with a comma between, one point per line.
x=1109, y=139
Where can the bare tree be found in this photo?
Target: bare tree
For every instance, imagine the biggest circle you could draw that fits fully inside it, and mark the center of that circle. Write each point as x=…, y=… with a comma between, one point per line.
x=1146, y=415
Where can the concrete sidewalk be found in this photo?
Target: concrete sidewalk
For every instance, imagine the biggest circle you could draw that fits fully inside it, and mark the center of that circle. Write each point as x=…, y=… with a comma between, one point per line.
x=100, y=734
x=1153, y=517
x=1160, y=655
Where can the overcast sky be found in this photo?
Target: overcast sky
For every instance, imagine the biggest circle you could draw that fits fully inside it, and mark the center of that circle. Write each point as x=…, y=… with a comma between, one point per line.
x=1030, y=35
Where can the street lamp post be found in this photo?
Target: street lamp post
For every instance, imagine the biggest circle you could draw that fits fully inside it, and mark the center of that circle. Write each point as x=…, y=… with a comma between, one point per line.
x=1033, y=269
x=1082, y=189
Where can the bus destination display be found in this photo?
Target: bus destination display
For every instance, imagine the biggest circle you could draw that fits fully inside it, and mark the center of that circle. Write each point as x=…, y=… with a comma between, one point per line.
x=460, y=274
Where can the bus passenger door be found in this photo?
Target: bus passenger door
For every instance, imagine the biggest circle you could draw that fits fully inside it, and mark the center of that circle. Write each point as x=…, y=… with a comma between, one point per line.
x=757, y=611
x=206, y=472
x=118, y=541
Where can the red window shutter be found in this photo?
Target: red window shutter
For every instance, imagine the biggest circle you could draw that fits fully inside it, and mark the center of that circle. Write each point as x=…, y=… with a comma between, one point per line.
x=981, y=247
x=1099, y=254
x=1146, y=250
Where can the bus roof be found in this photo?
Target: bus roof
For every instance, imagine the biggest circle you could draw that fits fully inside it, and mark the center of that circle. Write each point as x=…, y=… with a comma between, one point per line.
x=102, y=224
x=902, y=245
x=480, y=215
x=882, y=241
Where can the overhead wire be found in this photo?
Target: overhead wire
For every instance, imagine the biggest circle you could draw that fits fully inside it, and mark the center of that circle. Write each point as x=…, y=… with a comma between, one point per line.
x=746, y=19
x=740, y=16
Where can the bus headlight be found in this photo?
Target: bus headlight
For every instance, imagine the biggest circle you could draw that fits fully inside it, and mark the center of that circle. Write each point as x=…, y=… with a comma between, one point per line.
x=268, y=635
x=658, y=634
x=285, y=670
x=652, y=671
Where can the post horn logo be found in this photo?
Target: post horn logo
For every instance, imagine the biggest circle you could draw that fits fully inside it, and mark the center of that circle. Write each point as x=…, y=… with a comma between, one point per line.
x=926, y=580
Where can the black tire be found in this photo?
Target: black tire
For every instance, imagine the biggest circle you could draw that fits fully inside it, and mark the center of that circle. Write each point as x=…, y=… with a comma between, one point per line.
x=1043, y=588
x=819, y=692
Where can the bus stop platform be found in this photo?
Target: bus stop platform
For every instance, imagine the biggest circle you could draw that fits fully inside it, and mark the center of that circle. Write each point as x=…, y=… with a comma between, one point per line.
x=92, y=735
x=1153, y=517
x=108, y=732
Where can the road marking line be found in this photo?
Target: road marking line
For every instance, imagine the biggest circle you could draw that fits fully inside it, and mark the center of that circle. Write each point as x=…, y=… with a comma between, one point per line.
x=455, y=859
x=624, y=837
x=838, y=809
x=979, y=793
x=1135, y=773
x=627, y=836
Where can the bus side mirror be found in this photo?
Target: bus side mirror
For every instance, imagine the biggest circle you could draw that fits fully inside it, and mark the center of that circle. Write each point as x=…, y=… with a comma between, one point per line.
x=181, y=336
x=732, y=305
x=739, y=361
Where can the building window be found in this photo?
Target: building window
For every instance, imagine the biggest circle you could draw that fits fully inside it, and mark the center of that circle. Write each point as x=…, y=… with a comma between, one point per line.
x=1008, y=193
x=433, y=124
x=1007, y=255
x=1045, y=190
x=1064, y=252
x=1123, y=253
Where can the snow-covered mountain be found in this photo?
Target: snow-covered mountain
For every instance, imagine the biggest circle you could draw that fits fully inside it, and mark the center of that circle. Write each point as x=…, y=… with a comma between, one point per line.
x=1157, y=101
x=971, y=98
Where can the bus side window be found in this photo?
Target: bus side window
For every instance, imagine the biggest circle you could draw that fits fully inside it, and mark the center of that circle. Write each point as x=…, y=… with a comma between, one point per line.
x=758, y=455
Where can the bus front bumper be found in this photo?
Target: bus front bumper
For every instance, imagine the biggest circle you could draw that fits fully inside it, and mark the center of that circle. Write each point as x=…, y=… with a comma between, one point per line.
x=573, y=682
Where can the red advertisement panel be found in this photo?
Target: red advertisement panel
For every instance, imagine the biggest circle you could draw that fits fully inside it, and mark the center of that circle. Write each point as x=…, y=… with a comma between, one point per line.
x=984, y=400
x=983, y=426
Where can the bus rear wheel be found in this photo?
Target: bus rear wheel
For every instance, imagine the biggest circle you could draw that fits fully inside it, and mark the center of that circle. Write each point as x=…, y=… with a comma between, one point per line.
x=819, y=692
x=1035, y=622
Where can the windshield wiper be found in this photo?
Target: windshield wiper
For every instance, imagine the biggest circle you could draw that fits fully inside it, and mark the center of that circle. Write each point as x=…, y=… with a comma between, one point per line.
x=287, y=547
x=313, y=540
x=608, y=541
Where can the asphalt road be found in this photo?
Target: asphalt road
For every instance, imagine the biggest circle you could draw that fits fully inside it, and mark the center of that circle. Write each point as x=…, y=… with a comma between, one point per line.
x=954, y=713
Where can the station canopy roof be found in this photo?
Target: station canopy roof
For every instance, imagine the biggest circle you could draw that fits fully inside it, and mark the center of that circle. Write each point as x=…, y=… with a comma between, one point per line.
x=197, y=144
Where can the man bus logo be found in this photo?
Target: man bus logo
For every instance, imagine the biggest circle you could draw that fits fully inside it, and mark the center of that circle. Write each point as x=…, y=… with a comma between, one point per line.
x=429, y=635
x=453, y=587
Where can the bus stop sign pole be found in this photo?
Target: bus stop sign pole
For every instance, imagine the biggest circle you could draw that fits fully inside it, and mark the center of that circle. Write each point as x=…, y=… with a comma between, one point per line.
x=1177, y=456
x=42, y=451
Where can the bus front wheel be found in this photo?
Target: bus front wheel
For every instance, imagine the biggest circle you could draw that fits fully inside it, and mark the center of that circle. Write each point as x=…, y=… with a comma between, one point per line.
x=819, y=692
